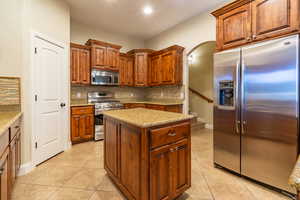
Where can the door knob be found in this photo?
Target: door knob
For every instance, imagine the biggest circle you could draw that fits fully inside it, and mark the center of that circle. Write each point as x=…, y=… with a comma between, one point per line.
x=62, y=105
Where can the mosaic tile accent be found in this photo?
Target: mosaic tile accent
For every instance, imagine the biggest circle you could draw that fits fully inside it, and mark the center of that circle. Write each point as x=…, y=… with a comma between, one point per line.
x=9, y=91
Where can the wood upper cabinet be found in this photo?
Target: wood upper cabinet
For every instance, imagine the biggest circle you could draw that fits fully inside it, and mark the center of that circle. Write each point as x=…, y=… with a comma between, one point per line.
x=234, y=27
x=245, y=21
x=126, y=70
x=98, y=56
x=82, y=124
x=112, y=56
x=155, y=70
x=168, y=67
x=104, y=55
x=80, y=64
x=141, y=69
x=271, y=18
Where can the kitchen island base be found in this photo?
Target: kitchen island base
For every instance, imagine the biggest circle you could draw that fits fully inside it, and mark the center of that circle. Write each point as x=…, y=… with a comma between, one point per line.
x=148, y=163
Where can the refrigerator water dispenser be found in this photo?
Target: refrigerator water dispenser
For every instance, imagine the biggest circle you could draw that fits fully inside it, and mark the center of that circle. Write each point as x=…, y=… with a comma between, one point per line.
x=226, y=90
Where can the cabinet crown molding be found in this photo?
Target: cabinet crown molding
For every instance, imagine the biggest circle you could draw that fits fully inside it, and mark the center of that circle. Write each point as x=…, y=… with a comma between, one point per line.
x=229, y=7
x=80, y=46
x=133, y=51
x=92, y=42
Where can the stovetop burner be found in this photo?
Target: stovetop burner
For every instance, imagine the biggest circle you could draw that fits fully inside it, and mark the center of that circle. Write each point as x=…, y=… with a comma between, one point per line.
x=103, y=101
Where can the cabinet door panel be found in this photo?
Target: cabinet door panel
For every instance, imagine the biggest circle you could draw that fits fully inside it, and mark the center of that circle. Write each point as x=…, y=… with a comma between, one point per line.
x=4, y=177
x=234, y=27
x=130, y=174
x=86, y=126
x=141, y=69
x=160, y=174
x=274, y=17
x=75, y=136
x=155, y=70
x=129, y=71
x=123, y=70
x=75, y=66
x=168, y=67
x=98, y=56
x=111, y=147
x=180, y=155
x=13, y=159
x=112, y=56
x=18, y=153
x=84, y=67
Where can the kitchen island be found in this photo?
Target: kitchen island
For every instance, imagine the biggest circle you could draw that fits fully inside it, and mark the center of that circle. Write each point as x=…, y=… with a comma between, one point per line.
x=147, y=153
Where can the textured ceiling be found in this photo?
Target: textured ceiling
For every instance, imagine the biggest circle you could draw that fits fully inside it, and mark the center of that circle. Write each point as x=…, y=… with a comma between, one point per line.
x=126, y=16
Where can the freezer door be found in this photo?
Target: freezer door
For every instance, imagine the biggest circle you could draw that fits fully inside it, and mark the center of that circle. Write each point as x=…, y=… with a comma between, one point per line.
x=226, y=109
x=270, y=111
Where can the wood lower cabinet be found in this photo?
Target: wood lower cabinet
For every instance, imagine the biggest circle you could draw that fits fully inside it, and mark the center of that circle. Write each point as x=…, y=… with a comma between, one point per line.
x=80, y=64
x=141, y=171
x=10, y=158
x=170, y=170
x=244, y=21
x=82, y=123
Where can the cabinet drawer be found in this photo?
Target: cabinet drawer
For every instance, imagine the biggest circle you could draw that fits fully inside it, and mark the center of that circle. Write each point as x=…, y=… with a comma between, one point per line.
x=15, y=128
x=82, y=110
x=167, y=135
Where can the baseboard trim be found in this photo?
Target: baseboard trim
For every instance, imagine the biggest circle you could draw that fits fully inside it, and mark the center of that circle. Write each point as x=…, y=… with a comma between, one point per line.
x=25, y=169
x=209, y=126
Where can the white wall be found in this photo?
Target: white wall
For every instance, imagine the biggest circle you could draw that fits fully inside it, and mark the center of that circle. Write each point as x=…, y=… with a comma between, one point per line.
x=11, y=37
x=188, y=34
x=80, y=33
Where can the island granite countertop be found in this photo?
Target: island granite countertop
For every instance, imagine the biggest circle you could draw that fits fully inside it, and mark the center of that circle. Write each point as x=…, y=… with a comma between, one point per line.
x=146, y=118
x=7, y=119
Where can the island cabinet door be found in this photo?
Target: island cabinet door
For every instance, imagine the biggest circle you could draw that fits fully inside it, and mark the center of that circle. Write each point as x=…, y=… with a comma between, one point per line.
x=181, y=165
x=4, y=176
x=130, y=159
x=160, y=174
x=111, y=146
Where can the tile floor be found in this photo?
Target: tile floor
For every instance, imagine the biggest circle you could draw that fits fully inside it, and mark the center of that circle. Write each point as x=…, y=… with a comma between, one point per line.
x=78, y=174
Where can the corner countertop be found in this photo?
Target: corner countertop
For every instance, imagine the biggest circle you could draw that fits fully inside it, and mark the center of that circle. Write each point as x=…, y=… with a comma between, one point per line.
x=294, y=179
x=7, y=119
x=146, y=118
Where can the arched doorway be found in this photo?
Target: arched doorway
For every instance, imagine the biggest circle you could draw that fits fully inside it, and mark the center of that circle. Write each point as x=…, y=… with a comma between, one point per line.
x=200, y=63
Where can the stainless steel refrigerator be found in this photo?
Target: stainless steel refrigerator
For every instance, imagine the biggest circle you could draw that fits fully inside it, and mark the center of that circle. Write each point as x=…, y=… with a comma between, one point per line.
x=256, y=90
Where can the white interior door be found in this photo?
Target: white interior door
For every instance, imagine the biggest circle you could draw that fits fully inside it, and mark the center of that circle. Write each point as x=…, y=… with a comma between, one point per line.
x=49, y=95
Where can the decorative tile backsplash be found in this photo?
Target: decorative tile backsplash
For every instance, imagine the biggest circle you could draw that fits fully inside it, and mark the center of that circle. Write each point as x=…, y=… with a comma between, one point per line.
x=79, y=93
x=9, y=91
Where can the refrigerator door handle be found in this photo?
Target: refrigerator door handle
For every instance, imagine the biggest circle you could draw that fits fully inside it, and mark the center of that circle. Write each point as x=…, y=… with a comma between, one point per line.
x=237, y=104
x=243, y=124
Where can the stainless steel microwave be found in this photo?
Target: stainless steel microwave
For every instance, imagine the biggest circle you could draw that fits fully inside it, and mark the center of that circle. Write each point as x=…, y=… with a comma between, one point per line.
x=101, y=77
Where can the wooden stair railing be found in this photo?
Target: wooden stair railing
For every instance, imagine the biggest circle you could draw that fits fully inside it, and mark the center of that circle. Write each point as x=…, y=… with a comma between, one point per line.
x=201, y=95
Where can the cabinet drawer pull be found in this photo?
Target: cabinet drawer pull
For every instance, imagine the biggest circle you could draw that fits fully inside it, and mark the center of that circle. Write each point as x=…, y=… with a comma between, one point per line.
x=1, y=171
x=16, y=127
x=172, y=133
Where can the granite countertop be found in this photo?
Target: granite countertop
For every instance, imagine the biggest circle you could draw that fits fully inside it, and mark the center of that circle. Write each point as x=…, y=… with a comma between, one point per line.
x=146, y=118
x=7, y=119
x=294, y=179
x=155, y=102
x=81, y=104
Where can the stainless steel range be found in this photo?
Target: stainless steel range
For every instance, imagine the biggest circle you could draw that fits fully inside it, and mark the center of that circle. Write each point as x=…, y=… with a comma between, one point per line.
x=103, y=101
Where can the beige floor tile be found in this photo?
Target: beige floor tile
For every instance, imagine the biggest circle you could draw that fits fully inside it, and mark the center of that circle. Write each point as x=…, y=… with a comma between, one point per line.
x=71, y=194
x=89, y=179
x=32, y=192
x=79, y=171
x=104, y=195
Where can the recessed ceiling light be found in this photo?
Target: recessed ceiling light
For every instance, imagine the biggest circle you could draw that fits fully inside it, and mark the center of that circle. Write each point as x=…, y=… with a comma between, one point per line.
x=148, y=10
